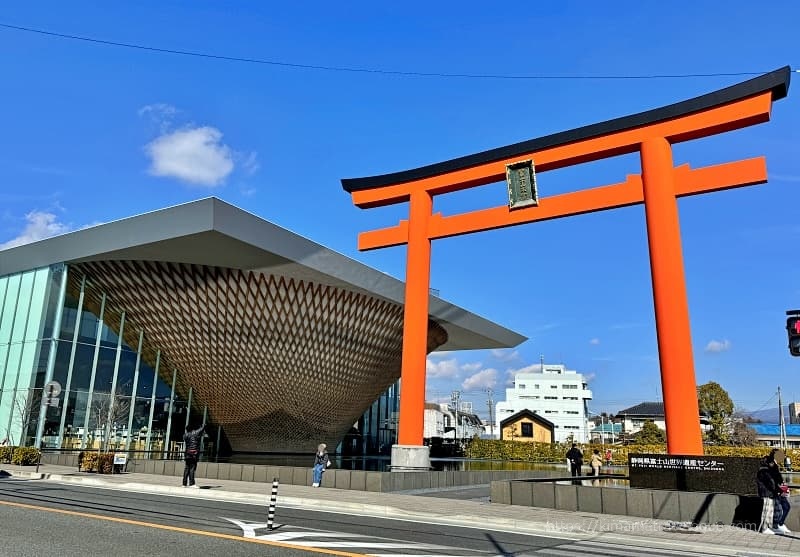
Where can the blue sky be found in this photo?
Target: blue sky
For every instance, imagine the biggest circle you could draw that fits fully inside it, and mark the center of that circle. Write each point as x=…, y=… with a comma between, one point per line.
x=93, y=133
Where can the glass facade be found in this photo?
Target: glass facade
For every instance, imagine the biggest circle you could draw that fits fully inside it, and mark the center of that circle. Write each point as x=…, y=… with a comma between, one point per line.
x=117, y=391
x=113, y=396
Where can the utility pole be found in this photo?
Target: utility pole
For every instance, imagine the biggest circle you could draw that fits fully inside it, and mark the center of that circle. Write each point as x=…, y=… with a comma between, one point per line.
x=455, y=398
x=490, y=402
x=781, y=420
x=603, y=432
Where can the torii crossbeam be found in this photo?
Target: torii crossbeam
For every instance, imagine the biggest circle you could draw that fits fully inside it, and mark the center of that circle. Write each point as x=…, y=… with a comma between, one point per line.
x=657, y=186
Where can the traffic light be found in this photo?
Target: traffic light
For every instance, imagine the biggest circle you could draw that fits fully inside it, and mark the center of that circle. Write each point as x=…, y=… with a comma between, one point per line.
x=793, y=330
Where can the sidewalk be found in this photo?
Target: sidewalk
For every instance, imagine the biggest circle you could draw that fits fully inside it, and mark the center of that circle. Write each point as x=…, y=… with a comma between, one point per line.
x=718, y=540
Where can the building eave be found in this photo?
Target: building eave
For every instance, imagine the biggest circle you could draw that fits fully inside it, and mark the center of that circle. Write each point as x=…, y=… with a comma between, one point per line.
x=214, y=233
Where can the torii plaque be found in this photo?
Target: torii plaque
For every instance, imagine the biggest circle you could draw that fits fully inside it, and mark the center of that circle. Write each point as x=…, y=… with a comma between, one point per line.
x=660, y=183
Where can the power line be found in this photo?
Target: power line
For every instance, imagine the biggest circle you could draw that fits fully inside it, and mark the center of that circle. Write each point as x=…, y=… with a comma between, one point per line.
x=365, y=70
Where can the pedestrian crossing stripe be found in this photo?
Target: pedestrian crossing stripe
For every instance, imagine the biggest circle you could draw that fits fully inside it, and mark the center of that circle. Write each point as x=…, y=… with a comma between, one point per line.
x=343, y=540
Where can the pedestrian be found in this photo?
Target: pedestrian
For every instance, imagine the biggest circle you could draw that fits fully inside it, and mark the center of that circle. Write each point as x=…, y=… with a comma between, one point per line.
x=4, y=443
x=321, y=462
x=608, y=457
x=596, y=462
x=770, y=493
x=783, y=496
x=575, y=458
x=191, y=454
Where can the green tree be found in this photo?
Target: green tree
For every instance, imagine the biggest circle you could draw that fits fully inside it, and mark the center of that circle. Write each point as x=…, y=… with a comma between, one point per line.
x=715, y=402
x=650, y=434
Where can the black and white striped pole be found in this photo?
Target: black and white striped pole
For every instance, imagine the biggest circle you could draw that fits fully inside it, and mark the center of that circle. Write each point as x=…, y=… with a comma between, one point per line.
x=273, y=498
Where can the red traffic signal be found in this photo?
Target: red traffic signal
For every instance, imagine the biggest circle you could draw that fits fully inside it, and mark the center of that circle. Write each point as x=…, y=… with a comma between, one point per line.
x=793, y=330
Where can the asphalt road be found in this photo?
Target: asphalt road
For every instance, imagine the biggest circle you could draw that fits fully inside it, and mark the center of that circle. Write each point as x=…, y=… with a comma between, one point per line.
x=45, y=518
x=86, y=534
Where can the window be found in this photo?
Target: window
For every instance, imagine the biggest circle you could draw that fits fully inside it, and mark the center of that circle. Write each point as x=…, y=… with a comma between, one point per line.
x=551, y=398
x=573, y=386
x=570, y=398
x=551, y=411
x=572, y=412
x=535, y=385
x=521, y=386
x=553, y=386
x=527, y=429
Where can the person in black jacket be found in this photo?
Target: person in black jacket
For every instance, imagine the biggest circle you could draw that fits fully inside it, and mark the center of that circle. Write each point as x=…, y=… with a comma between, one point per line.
x=770, y=493
x=782, y=498
x=191, y=448
x=575, y=457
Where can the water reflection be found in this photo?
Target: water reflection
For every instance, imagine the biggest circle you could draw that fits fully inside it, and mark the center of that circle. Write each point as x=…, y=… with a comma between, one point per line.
x=383, y=463
x=597, y=482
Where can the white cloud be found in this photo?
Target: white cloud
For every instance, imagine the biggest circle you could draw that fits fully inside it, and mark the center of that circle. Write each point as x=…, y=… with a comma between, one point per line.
x=444, y=368
x=193, y=155
x=40, y=225
x=716, y=346
x=250, y=163
x=469, y=368
x=485, y=379
x=512, y=373
x=504, y=355
x=594, y=341
x=161, y=114
x=442, y=354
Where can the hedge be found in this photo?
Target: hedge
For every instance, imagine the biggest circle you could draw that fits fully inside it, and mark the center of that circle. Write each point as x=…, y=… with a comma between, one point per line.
x=495, y=449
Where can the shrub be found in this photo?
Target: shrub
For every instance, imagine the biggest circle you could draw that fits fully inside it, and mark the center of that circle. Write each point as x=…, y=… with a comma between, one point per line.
x=6, y=453
x=25, y=456
x=89, y=461
x=102, y=463
x=105, y=463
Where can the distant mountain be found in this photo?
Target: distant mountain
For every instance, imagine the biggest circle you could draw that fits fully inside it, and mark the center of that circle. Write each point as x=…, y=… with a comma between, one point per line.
x=769, y=415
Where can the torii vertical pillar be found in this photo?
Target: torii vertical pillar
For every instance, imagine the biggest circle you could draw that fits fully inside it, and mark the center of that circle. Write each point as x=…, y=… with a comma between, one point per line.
x=678, y=381
x=409, y=454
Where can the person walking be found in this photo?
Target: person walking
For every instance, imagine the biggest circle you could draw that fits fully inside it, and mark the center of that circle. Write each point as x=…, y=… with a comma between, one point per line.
x=608, y=457
x=191, y=454
x=321, y=463
x=770, y=493
x=596, y=462
x=575, y=458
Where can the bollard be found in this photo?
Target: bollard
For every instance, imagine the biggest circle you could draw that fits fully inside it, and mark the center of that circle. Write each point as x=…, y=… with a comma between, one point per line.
x=272, y=499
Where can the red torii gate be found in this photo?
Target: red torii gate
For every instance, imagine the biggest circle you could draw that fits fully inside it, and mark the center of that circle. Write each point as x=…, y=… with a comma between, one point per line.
x=660, y=183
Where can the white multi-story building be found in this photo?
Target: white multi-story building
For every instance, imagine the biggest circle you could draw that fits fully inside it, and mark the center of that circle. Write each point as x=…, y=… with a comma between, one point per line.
x=555, y=393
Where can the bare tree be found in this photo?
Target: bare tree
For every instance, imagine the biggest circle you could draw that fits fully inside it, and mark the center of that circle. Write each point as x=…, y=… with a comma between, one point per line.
x=742, y=433
x=107, y=410
x=25, y=409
